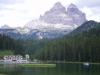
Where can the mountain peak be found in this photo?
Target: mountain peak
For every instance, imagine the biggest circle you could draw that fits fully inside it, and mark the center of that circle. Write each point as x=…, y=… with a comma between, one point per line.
x=77, y=15
x=5, y=27
x=58, y=4
x=58, y=15
x=72, y=6
x=58, y=7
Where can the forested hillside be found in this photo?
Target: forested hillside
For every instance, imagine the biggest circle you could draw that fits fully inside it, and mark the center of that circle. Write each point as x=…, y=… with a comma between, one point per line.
x=82, y=46
x=9, y=44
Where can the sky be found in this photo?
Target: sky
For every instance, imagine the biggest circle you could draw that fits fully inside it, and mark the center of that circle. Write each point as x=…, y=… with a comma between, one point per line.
x=17, y=13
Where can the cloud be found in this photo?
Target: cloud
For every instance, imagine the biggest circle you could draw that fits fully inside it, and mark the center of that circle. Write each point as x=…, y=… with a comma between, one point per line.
x=91, y=8
x=95, y=17
x=88, y=11
x=10, y=1
x=92, y=13
x=19, y=12
x=88, y=3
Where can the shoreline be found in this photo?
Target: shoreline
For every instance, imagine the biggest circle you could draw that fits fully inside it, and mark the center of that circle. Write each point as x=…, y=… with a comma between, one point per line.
x=50, y=62
x=93, y=63
x=70, y=62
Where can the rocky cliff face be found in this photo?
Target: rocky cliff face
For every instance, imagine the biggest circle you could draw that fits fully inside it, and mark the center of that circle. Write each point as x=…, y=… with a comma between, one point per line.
x=59, y=15
x=77, y=15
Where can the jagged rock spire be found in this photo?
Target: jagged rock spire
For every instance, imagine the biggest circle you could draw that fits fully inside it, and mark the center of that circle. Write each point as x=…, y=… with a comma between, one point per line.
x=72, y=6
x=58, y=7
x=58, y=14
x=77, y=15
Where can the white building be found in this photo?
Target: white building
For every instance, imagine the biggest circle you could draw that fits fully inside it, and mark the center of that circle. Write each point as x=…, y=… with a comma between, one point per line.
x=15, y=59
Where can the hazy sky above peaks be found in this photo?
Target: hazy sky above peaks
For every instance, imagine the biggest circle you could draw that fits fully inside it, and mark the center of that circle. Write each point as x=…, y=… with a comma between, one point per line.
x=18, y=12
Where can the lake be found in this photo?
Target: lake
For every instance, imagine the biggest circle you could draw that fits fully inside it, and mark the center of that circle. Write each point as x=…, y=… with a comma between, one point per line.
x=60, y=69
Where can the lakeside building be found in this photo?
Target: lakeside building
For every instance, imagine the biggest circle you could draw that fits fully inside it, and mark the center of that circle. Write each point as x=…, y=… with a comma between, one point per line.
x=15, y=59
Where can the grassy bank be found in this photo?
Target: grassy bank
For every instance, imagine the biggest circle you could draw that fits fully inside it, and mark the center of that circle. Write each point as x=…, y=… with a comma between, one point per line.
x=38, y=65
x=8, y=52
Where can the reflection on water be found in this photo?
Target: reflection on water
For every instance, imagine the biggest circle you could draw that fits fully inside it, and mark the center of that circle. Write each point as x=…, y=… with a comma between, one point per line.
x=60, y=69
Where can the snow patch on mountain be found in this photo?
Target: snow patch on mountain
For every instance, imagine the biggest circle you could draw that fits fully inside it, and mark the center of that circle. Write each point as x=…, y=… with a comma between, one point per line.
x=43, y=26
x=23, y=30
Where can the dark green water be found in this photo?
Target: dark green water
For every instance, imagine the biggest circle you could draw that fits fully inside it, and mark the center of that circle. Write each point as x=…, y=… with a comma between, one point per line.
x=60, y=69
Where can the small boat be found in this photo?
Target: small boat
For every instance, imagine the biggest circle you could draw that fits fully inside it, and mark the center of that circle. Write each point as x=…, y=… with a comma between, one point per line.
x=86, y=64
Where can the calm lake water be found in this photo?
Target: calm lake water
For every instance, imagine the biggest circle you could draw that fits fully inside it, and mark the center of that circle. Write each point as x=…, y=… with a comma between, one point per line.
x=60, y=69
